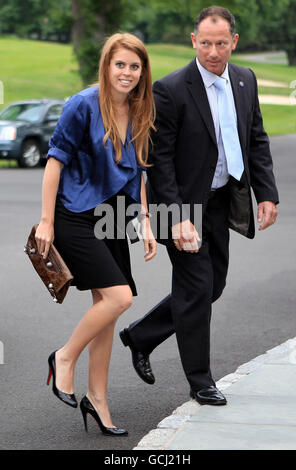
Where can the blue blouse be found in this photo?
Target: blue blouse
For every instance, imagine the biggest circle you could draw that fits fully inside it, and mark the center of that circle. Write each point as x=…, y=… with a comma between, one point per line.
x=90, y=175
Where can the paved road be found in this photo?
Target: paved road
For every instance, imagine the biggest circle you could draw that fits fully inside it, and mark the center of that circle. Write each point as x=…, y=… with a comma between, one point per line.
x=257, y=312
x=273, y=57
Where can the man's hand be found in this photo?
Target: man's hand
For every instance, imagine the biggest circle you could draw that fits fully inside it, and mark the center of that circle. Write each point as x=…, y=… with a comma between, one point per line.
x=185, y=236
x=267, y=214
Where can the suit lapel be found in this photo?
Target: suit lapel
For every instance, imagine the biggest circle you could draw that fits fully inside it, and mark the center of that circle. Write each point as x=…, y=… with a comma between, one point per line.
x=198, y=92
x=239, y=93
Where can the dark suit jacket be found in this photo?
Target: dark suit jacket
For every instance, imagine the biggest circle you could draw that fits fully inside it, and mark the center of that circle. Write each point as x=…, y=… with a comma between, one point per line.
x=185, y=153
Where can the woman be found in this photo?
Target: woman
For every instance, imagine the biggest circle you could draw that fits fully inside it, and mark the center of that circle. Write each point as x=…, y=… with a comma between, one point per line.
x=97, y=153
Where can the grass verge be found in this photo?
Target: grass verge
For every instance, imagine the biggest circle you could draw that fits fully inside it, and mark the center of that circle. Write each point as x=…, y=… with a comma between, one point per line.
x=38, y=69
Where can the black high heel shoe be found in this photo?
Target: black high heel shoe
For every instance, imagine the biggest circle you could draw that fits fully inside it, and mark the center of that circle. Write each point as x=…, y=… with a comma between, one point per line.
x=68, y=398
x=87, y=407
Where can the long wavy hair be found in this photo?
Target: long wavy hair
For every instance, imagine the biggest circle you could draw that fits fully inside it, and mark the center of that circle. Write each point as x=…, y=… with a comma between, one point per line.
x=141, y=103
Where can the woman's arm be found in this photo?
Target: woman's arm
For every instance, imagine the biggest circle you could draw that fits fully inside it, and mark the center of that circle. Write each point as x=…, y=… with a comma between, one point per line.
x=45, y=231
x=143, y=195
x=150, y=245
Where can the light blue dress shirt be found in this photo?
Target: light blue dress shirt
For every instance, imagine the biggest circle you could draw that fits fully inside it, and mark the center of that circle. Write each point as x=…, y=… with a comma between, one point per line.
x=90, y=175
x=221, y=175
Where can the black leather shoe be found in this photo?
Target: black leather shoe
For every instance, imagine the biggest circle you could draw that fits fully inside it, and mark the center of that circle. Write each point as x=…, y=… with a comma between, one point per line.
x=87, y=407
x=68, y=398
x=209, y=396
x=141, y=361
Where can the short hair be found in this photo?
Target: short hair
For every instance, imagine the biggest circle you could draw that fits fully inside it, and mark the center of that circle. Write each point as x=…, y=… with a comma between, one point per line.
x=215, y=11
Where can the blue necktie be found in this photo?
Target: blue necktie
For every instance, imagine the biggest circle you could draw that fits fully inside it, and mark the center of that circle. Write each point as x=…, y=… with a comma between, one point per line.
x=229, y=132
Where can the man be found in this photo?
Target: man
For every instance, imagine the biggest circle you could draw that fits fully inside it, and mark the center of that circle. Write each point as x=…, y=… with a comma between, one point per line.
x=210, y=148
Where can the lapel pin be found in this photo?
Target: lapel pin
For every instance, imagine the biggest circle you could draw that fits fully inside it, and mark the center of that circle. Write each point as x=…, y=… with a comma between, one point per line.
x=241, y=84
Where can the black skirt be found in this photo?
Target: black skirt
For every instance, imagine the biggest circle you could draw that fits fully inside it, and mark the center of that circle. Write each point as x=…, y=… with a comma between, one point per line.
x=94, y=263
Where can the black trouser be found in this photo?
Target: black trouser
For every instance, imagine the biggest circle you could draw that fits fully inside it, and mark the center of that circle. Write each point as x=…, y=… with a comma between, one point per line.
x=198, y=279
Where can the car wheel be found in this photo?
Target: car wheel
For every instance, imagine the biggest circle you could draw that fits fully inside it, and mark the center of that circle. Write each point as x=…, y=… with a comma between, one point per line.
x=31, y=154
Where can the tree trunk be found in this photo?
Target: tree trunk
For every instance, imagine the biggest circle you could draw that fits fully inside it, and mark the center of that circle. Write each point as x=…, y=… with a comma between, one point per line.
x=292, y=57
x=78, y=25
x=100, y=32
x=93, y=20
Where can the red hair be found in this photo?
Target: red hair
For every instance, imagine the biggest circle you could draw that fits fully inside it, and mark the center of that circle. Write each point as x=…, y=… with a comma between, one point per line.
x=142, y=108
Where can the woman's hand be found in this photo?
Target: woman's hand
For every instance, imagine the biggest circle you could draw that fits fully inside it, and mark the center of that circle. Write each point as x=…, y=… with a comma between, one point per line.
x=150, y=244
x=45, y=231
x=44, y=237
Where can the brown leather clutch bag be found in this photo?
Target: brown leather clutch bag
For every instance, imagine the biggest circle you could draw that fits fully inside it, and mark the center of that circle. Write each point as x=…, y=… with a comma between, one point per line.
x=53, y=271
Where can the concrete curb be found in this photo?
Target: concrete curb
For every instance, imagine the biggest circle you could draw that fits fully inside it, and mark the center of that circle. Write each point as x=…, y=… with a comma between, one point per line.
x=277, y=99
x=271, y=83
x=169, y=427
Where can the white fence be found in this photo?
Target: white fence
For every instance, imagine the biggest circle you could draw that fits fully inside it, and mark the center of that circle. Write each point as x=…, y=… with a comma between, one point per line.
x=1, y=353
x=293, y=94
x=1, y=92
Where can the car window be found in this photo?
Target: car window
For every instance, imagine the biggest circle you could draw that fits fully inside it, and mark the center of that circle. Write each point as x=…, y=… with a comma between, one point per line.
x=11, y=112
x=54, y=111
x=22, y=112
x=33, y=114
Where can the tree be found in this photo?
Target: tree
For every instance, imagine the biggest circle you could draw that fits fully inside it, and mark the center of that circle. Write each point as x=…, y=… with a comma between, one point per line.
x=58, y=20
x=279, y=25
x=93, y=21
x=173, y=20
x=20, y=16
x=25, y=17
x=288, y=32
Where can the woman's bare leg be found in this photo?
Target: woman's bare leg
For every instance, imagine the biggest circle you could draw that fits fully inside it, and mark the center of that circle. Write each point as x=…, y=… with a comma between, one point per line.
x=109, y=304
x=99, y=359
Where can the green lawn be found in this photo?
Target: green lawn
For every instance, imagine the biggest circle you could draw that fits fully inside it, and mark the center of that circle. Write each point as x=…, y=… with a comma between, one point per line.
x=276, y=72
x=37, y=69
x=169, y=57
x=279, y=119
x=8, y=163
x=266, y=90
